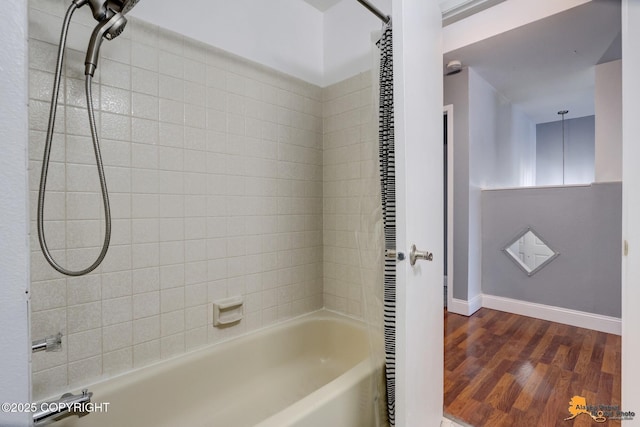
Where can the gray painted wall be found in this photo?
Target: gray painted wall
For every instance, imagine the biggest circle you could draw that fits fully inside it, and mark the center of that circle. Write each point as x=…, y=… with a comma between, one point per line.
x=583, y=223
x=456, y=92
x=579, y=152
x=494, y=146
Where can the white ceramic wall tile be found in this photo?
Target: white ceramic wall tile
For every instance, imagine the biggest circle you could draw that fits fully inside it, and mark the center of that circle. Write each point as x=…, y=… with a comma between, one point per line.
x=171, y=299
x=343, y=155
x=146, y=329
x=116, y=126
x=118, y=259
x=144, y=131
x=207, y=182
x=195, y=338
x=48, y=294
x=196, y=294
x=171, y=88
x=144, y=81
x=195, y=139
x=118, y=361
x=171, y=323
x=118, y=154
x=171, y=64
x=143, y=57
x=195, y=272
x=145, y=231
x=144, y=106
x=84, y=344
x=115, y=100
x=116, y=337
x=145, y=305
x=116, y=310
x=49, y=382
x=172, y=345
x=145, y=255
x=84, y=317
x=116, y=74
x=115, y=285
x=171, y=276
x=146, y=353
x=172, y=252
x=196, y=317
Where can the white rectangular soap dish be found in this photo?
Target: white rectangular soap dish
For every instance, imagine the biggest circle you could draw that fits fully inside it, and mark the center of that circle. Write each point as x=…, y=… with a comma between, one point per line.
x=227, y=311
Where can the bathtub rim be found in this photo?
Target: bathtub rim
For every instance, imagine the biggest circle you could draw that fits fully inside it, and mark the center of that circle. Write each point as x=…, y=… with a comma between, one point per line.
x=305, y=406
x=108, y=384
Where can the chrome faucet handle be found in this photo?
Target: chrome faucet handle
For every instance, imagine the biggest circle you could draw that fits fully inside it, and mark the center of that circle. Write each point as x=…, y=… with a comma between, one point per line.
x=50, y=343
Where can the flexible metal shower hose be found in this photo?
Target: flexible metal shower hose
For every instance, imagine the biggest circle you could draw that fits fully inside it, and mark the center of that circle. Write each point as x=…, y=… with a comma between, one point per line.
x=47, y=153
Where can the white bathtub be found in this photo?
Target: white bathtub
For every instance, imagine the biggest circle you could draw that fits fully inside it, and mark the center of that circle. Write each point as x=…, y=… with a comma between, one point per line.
x=311, y=371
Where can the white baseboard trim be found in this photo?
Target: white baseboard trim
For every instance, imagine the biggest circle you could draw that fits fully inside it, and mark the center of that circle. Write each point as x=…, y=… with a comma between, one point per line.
x=446, y=422
x=582, y=319
x=465, y=308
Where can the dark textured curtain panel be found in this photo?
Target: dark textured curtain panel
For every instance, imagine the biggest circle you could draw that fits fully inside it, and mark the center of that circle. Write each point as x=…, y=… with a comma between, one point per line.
x=388, y=183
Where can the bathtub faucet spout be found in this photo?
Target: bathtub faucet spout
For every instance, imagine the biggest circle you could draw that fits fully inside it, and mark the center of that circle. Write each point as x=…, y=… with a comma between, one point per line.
x=68, y=404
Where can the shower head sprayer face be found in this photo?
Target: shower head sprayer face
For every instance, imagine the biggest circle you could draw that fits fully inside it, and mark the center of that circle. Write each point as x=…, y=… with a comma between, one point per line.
x=117, y=28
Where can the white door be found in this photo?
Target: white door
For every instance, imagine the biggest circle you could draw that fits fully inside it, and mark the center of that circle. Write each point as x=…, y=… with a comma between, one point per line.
x=631, y=209
x=419, y=196
x=418, y=98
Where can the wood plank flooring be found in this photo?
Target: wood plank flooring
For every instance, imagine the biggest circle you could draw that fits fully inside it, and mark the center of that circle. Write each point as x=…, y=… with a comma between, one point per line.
x=505, y=370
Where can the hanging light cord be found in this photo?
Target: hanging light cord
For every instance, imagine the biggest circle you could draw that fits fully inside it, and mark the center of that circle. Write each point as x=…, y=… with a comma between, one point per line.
x=47, y=153
x=563, y=112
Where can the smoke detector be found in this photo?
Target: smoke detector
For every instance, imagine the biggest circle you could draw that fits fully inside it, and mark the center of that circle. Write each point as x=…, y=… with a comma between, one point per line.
x=453, y=67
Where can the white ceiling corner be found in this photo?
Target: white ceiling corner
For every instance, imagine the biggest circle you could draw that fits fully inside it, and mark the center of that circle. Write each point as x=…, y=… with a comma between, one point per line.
x=322, y=5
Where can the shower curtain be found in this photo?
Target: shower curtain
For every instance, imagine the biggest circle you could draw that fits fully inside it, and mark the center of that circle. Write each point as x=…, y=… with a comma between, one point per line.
x=387, y=181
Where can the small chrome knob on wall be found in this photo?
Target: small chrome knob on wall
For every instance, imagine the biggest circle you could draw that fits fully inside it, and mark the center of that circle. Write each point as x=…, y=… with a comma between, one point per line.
x=415, y=255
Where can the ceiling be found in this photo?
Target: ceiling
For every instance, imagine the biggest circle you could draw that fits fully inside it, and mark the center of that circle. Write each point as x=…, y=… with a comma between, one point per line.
x=323, y=5
x=548, y=65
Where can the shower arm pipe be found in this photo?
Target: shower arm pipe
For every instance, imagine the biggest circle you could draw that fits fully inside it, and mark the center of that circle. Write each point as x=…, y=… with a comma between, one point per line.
x=47, y=153
x=384, y=18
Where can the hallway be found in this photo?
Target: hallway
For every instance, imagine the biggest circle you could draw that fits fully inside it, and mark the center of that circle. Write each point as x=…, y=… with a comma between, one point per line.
x=505, y=370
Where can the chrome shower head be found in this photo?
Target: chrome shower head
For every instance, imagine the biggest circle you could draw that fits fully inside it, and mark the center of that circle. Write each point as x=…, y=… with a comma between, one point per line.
x=110, y=14
x=102, y=9
x=109, y=29
x=122, y=6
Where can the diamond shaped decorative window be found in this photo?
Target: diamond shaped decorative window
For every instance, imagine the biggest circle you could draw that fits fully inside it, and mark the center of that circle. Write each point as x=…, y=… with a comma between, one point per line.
x=530, y=252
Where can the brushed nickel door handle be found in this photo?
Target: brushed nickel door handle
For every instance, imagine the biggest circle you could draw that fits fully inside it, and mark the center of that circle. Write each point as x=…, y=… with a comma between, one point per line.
x=416, y=255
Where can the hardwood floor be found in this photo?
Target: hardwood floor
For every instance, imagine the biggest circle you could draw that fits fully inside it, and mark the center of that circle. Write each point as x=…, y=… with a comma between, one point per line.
x=503, y=370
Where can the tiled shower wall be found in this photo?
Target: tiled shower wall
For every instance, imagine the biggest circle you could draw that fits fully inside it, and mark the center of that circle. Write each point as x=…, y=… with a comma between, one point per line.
x=214, y=166
x=350, y=196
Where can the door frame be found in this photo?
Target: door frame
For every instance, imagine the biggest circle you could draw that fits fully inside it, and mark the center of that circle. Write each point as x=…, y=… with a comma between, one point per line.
x=448, y=111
